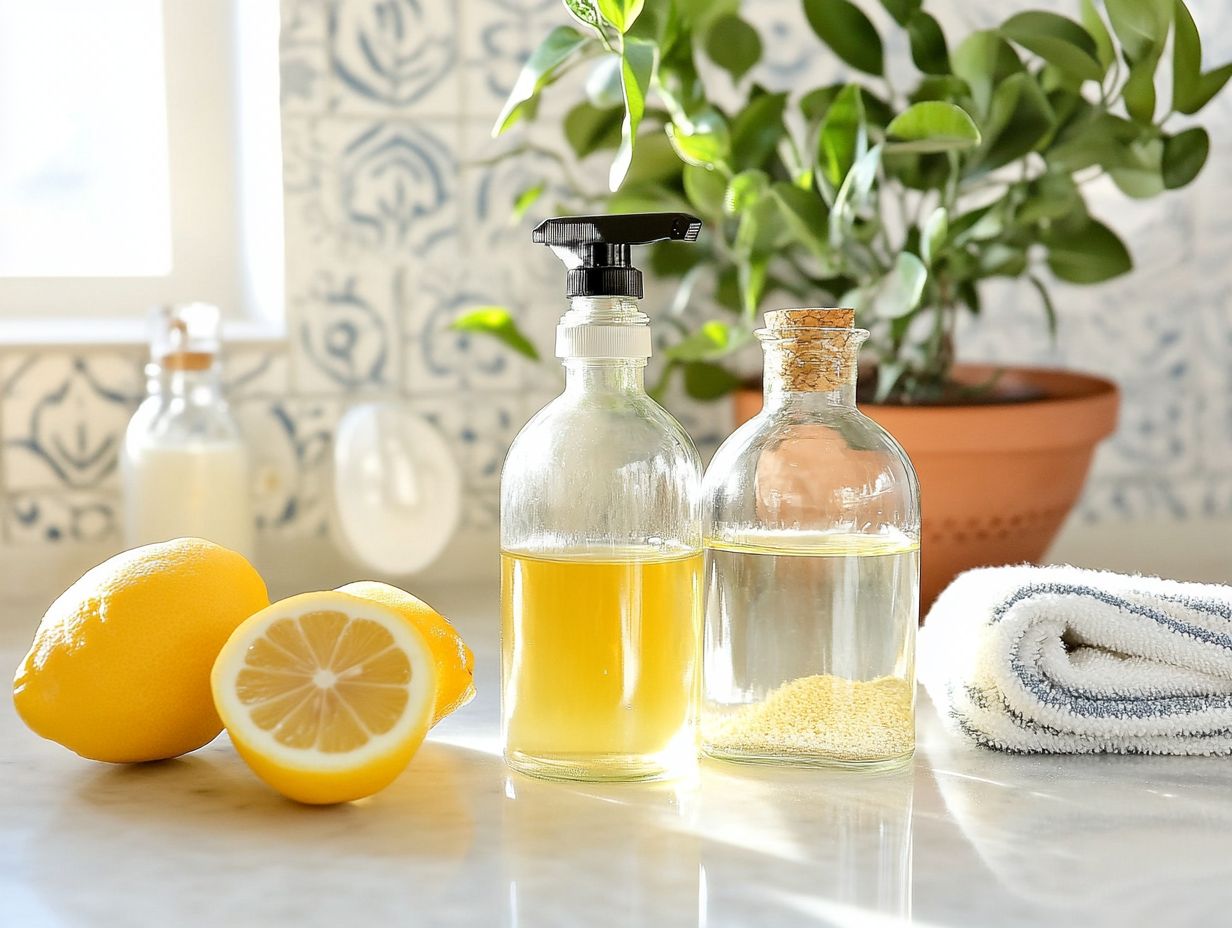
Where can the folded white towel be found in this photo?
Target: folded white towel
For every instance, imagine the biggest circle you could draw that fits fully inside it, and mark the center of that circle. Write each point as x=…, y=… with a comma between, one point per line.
x=1062, y=660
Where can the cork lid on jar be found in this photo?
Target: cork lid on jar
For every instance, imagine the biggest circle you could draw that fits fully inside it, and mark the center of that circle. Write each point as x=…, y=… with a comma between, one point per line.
x=185, y=337
x=815, y=348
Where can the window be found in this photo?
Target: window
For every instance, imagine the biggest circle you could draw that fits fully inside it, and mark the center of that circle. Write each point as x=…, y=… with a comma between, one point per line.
x=139, y=158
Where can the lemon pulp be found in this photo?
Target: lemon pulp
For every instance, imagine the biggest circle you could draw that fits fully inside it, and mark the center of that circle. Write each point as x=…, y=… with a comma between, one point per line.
x=326, y=695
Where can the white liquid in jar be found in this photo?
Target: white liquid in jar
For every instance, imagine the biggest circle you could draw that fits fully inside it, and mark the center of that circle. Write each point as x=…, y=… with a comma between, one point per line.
x=199, y=490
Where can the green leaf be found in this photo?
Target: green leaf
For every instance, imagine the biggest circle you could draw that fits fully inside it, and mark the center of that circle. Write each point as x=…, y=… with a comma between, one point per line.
x=852, y=36
x=842, y=137
x=757, y=129
x=804, y=215
x=603, y=83
x=984, y=60
x=932, y=238
x=584, y=12
x=932, y=126
x=744, y=190
x=1058, y=40
x=1094, y=137
x=1191, y=89
x=816, y=102
x=889, y=372
x=1052, y=195
x=706, y=381
x=1001, y=260
x=1141, y=25
x=620, y=13
x=1086, y=253
x=654, y=162
x=496, y=322
x=1139, y=91
x=928, y=48
x=978, y=225
x=852, y=195
x=589, y=129
x=525, y=200
x=899, y=291
x=940, y=87
x=653, y=198
x=733, y=45
x=1019, y=119
x=1183, y=156
x=1094, y=24
x=902, y=10
x=704, y=140
x=705, y=189
x=752, y=276
x=540, y=69
x=1050, y=311
x=760, y=233
x=637, y=59
x=714, y=340
x=1137, y=168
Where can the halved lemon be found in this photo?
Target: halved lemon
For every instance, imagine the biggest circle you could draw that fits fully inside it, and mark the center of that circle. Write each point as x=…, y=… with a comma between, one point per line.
x=326, y=696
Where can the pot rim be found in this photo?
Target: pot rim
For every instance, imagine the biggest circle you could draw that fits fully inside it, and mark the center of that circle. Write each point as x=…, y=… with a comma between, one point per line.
x=1079, y=410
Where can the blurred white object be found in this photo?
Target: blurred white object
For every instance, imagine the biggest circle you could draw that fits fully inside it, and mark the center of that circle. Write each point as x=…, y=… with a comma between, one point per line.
x=397, y=488
x=184, y=462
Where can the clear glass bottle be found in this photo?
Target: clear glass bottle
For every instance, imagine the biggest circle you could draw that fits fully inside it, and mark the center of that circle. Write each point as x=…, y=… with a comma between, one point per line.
x=184, y=462
x=601, y=554
x=812, y=566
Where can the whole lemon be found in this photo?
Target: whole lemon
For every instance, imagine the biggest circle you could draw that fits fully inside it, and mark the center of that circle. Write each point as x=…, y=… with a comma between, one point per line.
x=455, y=663
x=120, y=666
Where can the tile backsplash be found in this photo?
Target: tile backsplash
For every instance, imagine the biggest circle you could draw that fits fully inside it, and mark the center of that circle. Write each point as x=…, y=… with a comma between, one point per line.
x=396, y=218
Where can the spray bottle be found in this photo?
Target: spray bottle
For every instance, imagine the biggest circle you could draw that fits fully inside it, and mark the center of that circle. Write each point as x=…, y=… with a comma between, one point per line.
x=601, y=536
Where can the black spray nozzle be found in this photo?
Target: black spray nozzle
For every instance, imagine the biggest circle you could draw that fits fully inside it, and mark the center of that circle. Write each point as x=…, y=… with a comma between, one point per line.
x=596, y=249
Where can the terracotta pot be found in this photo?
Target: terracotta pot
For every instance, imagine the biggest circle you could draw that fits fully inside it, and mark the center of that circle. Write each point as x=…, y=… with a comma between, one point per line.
x=997, y=479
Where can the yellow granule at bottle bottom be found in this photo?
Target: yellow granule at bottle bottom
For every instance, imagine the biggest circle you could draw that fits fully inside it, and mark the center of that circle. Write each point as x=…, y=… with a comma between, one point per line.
x=820, y=717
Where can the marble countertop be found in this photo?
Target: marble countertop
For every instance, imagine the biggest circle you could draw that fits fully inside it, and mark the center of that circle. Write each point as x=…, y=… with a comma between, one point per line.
x=963, y=837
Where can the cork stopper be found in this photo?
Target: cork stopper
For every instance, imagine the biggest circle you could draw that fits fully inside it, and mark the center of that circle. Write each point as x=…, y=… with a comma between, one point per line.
x=815, y=348
x=184, y=337
x=811, y=318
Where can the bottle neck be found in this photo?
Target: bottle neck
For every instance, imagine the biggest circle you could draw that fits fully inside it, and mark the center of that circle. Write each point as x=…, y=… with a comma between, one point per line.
x=604, y=310
x=194, y=386
x=803, y=381
x=605, y=375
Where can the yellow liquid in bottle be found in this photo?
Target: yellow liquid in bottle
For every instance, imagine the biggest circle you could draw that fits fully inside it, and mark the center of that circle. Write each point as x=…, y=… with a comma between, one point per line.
x=599, y=661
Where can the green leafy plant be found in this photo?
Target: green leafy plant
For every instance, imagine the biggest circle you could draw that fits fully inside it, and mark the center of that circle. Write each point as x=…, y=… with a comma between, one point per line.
x=901, y=202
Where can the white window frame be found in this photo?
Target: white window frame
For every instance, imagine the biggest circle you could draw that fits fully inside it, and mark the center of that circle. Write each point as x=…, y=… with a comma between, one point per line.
x=225, y=154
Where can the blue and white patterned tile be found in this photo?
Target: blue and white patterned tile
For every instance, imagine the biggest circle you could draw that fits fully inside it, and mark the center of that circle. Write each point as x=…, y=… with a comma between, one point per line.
x=65, y=416
x=1214, y=358
x=250, y=371
x=1216, y=496
x=62, y=517
x=1150, y=355
x=439, y=360
x=478, y=428
x=1112, y=500
x=344, y=326
x=498, y=37
x=304, y=56
x=291, y=443
x=361, y=187
x=794, y=58
x=394, y=56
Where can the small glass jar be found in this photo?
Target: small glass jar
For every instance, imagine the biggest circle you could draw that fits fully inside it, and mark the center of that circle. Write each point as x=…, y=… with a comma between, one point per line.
x=812, y=566
x=184, y=462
